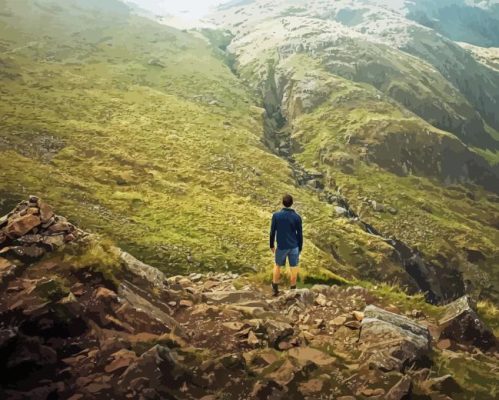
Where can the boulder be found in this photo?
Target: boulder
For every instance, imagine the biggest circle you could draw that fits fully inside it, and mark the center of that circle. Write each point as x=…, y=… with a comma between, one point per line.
x=391, y=341
x=461, y=324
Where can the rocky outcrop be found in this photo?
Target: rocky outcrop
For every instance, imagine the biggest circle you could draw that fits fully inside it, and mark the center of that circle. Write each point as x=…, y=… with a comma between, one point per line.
x=392, y=342
x=461, y=324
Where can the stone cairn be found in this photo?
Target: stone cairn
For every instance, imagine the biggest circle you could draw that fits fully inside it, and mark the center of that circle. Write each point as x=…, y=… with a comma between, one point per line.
x=32, y=229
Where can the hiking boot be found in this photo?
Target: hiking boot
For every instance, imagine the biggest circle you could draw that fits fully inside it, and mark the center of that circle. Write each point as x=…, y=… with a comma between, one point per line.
x=275, y=289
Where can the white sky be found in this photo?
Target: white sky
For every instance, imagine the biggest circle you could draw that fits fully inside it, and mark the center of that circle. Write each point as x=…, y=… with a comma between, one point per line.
x=191, y=9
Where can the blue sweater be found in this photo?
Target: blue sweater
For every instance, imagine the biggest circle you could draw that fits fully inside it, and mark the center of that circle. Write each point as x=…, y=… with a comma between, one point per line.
x=287, y=224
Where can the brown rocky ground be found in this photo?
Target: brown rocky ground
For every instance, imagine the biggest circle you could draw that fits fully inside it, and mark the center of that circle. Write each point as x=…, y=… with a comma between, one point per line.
x=80, y=319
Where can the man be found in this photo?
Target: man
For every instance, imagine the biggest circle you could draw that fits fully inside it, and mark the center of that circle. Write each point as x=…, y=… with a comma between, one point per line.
x=287, y=225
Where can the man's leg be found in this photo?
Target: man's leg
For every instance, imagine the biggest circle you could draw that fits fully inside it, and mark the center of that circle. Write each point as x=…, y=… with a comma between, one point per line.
x=276, y=276
x=280, y=259
x=294, y=260
x=293, y=271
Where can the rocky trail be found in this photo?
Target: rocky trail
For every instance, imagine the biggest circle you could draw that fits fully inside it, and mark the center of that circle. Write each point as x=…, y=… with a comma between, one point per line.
x=81, y=319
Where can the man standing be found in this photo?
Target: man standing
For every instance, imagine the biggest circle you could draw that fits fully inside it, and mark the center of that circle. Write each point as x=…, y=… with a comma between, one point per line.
x=287, y=225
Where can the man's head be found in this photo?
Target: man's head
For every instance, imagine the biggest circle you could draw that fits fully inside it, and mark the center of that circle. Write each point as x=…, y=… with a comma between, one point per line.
x=287, y=200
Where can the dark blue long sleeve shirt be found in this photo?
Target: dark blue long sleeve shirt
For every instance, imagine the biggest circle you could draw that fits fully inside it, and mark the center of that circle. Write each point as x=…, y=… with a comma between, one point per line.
x=287, y=226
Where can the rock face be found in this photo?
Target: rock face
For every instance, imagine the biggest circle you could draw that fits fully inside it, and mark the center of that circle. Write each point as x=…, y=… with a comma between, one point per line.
x=462, y=324
x=391, y=341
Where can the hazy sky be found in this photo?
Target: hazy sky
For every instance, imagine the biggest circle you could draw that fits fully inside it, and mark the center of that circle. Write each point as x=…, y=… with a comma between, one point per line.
x=186, y=8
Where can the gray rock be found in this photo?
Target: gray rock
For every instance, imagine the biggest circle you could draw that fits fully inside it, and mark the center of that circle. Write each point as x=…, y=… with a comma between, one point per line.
x=340, y=211
x=462, y=324
x=378, y=207
x=390, y=341
x=152, y=275
x=156, y=63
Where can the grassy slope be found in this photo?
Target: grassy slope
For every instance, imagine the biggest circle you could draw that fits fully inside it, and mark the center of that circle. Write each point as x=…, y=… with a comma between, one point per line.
x=167, y=160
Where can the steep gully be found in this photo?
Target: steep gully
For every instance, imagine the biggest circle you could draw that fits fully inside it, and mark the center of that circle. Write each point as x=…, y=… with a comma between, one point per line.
x=425, y=275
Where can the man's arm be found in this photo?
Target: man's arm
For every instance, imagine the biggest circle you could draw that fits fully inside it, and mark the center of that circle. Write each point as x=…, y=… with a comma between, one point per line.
x=299, y=234
x=272, y=232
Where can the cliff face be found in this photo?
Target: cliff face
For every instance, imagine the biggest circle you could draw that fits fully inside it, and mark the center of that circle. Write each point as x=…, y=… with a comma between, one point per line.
x=89, y=321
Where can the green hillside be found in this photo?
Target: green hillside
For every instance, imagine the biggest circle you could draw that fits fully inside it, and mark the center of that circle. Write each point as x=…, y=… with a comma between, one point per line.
x=140, y=132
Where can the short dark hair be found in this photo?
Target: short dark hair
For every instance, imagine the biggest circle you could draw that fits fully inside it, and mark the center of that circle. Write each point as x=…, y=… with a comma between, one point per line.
x=287, y=200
